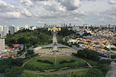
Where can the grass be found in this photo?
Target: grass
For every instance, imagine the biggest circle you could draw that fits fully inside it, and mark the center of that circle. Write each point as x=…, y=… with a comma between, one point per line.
x=46, y=72
x=34, y=64
x=77, y=73
x=25, y=60
x=91, y=62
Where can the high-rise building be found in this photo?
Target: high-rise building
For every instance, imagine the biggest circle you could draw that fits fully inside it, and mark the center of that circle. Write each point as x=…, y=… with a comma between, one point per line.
x=26, y=27
x=5, y=29
x=2, y=44
x=64, y=24
x=114, y=28
x=70, y=24
x=11, y=29
x=1, y=29
x=18, y=28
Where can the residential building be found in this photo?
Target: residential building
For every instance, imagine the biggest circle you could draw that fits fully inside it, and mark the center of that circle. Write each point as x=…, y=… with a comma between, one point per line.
x=76, y=28
x=69, y=24
x=2, y=44
x=18, y=28
x=5, y=30
x=11, y=29
x=26, y=27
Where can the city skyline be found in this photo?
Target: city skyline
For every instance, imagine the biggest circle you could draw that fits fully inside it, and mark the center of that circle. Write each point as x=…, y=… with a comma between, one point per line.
x=39, y=12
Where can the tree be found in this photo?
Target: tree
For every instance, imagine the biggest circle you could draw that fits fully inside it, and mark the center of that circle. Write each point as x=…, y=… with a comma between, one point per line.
x=96, y=43
x=113, y=56
x=21, y=40
x=94, y=73
x=17, y=62
x=12, y=41
x=10, y=45
x=28, y=45
x=106, y=48
x=104, y=68
x=89, y=54
x=104, y=61
x=14, y=72
x=30, y=52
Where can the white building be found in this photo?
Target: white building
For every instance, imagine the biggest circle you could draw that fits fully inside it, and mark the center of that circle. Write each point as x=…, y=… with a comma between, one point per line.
x=2, y=44
x=5, y=30
x=33, y=27
x=26, y=27
x=18, y=28
x=11, y=29
x=76, y=28
x=1, y=30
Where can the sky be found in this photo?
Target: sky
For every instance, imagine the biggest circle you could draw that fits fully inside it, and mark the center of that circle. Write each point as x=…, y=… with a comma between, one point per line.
x=57, y=12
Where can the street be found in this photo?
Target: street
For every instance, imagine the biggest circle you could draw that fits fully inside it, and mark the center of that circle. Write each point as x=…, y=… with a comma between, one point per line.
x=112, y=72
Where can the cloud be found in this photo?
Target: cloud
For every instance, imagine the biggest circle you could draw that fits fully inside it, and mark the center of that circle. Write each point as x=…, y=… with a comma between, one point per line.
x=26, y=2
x=10, y=14
x=78, y=19
x=87, y=0
x=5, y=7
x=70, y=4
x=112, y=16
x=51, y=5
x=101, y=19
x=112, y=1
x=41, y=22
x=26, y=12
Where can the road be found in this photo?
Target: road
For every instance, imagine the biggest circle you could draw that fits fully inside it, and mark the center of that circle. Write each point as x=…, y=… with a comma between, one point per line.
x=112, y=72
x=55, y=41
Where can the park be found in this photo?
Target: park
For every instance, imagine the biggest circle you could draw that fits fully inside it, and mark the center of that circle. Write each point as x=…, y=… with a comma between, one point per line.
x=55, y=60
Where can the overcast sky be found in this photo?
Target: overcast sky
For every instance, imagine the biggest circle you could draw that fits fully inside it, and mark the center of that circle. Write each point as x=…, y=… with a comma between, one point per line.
x=39, y=12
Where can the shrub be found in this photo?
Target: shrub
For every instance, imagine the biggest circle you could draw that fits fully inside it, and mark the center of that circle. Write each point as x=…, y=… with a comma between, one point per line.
x=45, y=61
x=64, y=61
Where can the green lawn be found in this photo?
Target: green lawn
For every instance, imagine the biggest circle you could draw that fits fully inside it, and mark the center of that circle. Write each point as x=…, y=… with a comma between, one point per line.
x=91, y=62
x=77, y=73
x=39, y=65
x=29, y=58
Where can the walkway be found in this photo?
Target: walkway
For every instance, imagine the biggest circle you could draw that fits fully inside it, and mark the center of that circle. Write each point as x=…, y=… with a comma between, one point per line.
x=54, y=73
x=87, y=63
x=55, y=40
x=27, y=62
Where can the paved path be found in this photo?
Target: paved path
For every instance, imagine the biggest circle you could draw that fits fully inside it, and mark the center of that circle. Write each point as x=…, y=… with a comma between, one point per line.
x=55, y=41
x=58, y=73
x=27, y=62
x=87, y=63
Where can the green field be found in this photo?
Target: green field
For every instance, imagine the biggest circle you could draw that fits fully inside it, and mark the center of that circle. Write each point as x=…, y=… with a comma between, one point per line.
x=29, y=58
x=33, y=64
x=91, y=62
x=34, y=74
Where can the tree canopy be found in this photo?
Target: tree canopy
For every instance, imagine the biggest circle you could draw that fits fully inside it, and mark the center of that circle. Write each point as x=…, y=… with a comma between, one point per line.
x=38, y=36
x=89, y=54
